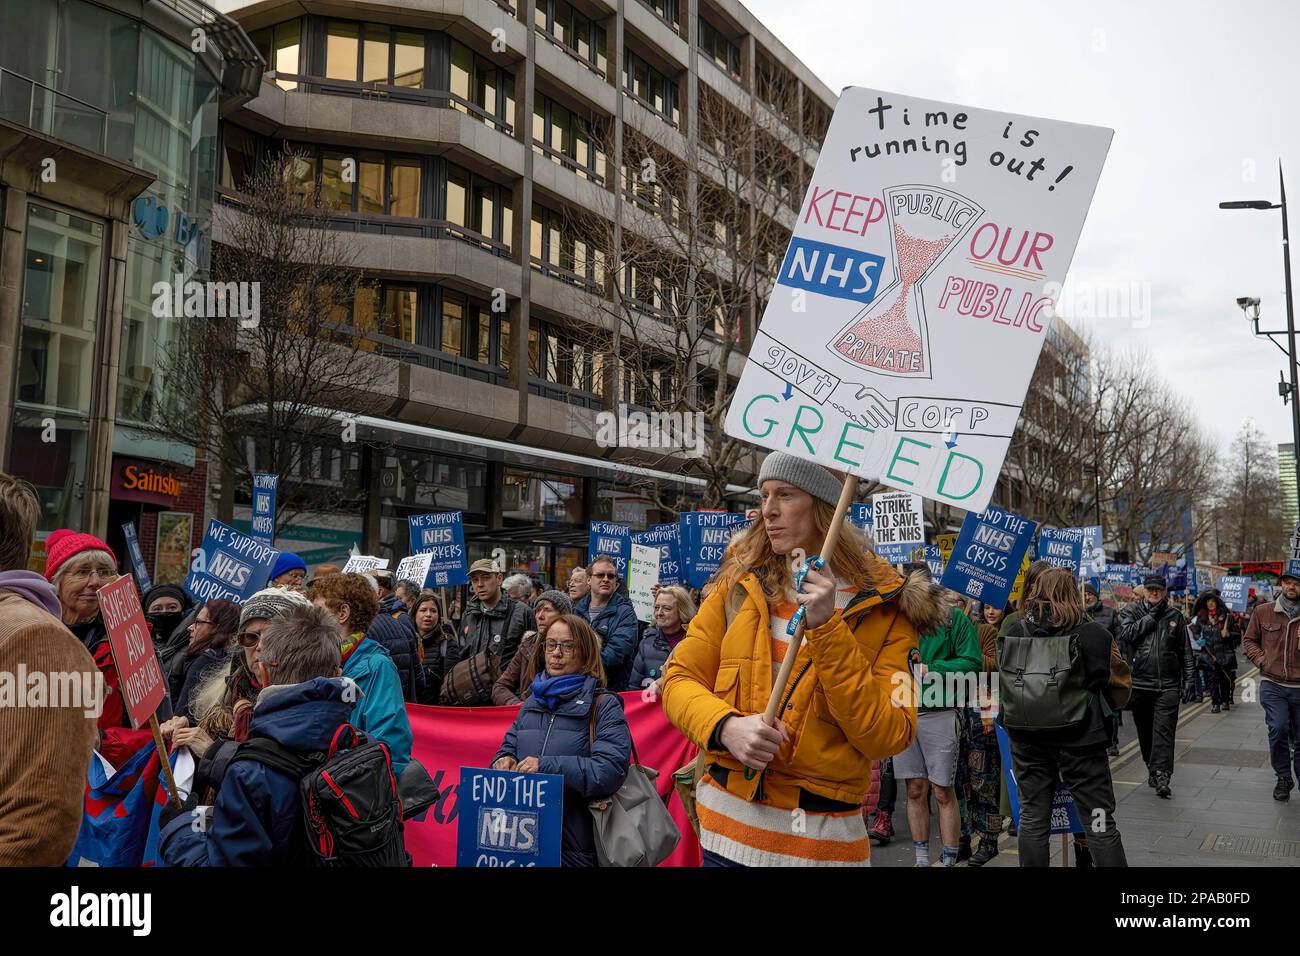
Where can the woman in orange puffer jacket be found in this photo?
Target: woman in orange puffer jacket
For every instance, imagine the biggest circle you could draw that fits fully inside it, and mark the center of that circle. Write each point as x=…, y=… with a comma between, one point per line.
x=850, y=699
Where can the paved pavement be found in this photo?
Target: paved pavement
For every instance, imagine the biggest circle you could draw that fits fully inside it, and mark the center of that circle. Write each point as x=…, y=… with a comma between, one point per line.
x=1221, y=813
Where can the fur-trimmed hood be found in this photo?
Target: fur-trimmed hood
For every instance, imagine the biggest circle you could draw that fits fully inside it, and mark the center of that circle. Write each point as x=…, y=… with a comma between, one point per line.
x=923, y=602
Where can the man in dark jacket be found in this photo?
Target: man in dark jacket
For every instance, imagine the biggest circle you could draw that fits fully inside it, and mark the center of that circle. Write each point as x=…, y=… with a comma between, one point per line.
x=395, y=631
x=1272, y=643
x=610, y=613
x=1105, y=617
x=257, y=820
x=493, y=622
x=1153, y=638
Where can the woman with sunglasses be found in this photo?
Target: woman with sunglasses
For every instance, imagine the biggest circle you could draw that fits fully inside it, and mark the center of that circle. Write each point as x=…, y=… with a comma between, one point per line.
x=572, y=727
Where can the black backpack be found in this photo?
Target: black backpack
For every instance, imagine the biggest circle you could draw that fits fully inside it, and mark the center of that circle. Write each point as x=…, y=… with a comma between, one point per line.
x=1041, y=681
x=351, y=813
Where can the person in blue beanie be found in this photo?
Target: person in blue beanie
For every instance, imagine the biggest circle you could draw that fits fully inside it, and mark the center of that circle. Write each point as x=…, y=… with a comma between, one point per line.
x=289, y=572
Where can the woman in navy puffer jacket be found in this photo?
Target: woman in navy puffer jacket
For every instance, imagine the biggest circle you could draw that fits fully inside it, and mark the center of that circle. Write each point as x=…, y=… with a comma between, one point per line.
x=555, y=731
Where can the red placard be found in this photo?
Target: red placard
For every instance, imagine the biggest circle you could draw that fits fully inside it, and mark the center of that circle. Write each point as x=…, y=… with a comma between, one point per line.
x=139, y=675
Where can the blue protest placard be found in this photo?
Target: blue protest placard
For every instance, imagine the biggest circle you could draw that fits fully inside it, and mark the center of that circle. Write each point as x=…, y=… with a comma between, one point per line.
x=614, y=540
x=1118, y=574
x=1092, y=557
x=860, y=514
x=262, y=523
x=508, y=818
x=987, y=555
x=1235, y=591
x=934, y=558
x=1065, y=816
x=668, y=539
x=230, y=565
x=705, y=536
x=441, y=534
x=1061, y=547
x=137, y=557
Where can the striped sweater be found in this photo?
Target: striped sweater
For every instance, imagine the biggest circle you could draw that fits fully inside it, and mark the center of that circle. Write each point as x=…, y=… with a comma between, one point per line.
x=760, y=834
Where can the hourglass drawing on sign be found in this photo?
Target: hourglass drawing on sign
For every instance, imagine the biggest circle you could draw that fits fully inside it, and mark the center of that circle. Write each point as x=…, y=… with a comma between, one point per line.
x=890, y=335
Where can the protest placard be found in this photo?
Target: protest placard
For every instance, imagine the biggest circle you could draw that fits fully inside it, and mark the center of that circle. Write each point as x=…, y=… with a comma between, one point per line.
x=441, y=534
x=139, y=675
x=1092, y=558
x=1061, y=547
x=861, y=516
x=262, y=521
x=611, y=539
x=361, y=563
x=989, y=548
x=897, y=525
x=934, y=560
x=415, y=568
x=642, y=575
x=668, y=539
x=913, y=269
x=509, y=819
x=229, y=565
x=137, y=557
x=705, y=536
x=1235, y=591
x=1018, y=586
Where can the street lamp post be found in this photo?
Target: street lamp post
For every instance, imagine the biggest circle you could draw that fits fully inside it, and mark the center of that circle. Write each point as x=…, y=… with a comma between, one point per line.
x=1291, y=392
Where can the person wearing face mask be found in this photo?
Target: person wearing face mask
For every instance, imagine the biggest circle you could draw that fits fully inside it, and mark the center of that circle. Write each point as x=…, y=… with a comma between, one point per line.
x=165, y=606
x=1152, y=635
x=78, y=565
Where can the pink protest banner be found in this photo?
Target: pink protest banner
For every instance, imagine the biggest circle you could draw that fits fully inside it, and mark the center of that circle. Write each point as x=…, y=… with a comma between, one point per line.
x=448, y=738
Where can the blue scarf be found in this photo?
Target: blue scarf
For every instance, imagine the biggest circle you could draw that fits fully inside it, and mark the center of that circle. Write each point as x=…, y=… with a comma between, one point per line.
x=551, y=691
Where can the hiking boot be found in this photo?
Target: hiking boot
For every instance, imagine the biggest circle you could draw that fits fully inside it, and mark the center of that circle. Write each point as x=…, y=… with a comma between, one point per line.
x=1214, y=709
x=1162, y=786
x=882, y=831
x=1112, y=751
x=1283, y=789
x=963, y=849
x=1082, y=856
x=987, y=851
x=1151, y=778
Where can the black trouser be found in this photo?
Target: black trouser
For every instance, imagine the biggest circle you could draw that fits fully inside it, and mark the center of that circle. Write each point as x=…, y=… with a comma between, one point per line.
x=888, y=786
x=1086, y=773
x=1155, y=714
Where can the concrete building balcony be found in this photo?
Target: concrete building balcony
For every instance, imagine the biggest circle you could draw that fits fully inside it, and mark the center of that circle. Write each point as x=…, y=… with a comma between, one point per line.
x=576, y=76
x=426, y=123
x=645, y=24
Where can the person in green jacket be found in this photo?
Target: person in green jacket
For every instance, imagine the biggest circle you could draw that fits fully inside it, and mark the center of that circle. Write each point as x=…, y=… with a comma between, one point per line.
x=950, y=663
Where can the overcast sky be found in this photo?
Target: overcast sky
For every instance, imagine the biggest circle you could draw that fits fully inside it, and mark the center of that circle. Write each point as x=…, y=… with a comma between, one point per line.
x=1202, y=97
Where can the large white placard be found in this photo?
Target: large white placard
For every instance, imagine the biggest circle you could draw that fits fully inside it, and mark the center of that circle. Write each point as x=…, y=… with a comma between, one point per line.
x=642, y=575
x=917, y=291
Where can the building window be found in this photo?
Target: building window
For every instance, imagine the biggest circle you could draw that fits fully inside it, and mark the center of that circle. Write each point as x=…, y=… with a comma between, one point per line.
x=364, y=182
x=666, y=10
x=341, y=50
x=578, y=33
x=452, y=324
x=374, y=53
x=568, y=138
x=475, y=81
x=478, y=204
x=724, y=53
x=651, y=87
x=60, y=308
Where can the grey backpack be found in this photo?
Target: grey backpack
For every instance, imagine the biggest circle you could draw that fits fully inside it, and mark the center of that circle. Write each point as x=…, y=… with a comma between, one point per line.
x=1041, y=681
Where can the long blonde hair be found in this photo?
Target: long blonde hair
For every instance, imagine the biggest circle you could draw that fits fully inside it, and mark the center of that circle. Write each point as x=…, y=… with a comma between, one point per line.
x=852, y=559
x=1055, y=599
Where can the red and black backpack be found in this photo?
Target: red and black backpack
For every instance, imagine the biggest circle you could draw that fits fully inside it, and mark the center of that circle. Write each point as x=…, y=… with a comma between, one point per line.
x=351, y=813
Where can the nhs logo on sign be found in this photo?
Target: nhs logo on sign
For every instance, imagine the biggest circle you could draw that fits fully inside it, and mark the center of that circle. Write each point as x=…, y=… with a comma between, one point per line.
x=831, y=270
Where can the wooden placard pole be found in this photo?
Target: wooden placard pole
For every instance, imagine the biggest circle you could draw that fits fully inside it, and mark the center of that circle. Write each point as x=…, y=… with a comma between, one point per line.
x=1065, y=849
x=828, y=546
x=163, y=758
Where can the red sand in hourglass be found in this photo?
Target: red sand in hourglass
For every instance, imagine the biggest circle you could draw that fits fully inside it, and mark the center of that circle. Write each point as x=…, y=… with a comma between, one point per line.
x=886, y=340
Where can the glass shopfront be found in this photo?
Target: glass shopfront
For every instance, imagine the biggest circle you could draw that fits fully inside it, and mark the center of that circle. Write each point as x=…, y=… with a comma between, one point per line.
x=62, y=289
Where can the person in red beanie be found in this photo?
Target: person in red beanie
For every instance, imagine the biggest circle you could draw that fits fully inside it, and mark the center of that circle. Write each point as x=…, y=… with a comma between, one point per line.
x=78, y=565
